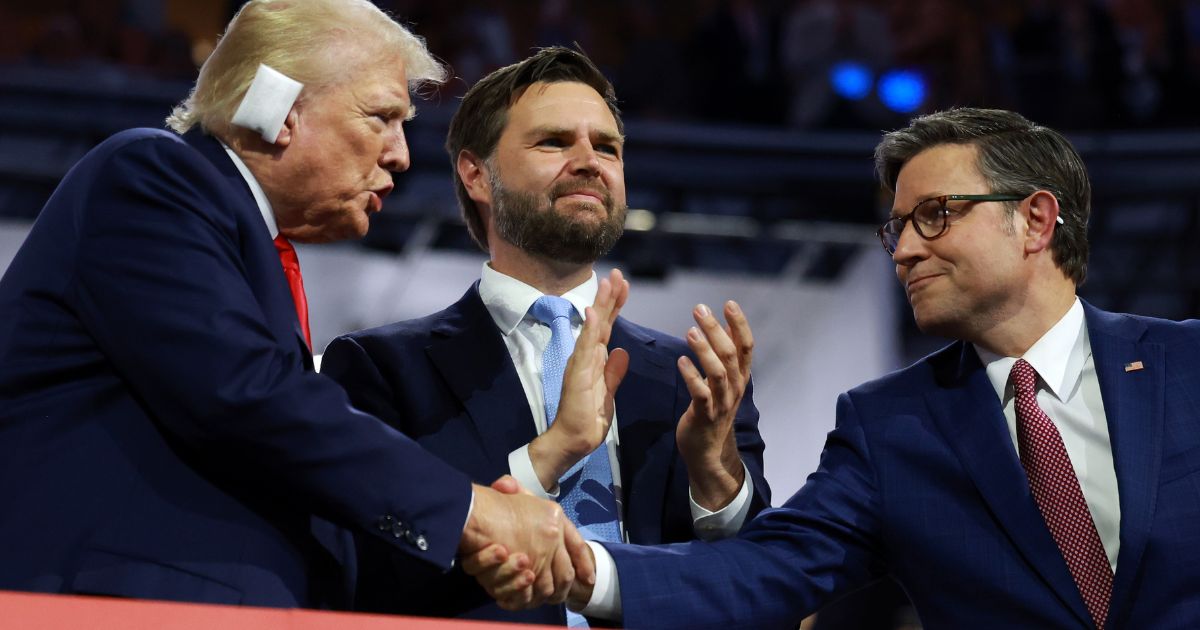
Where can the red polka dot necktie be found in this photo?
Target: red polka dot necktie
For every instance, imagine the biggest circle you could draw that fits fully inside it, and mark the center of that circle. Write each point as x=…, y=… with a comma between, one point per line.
x=1058, y=495
x=291, y=269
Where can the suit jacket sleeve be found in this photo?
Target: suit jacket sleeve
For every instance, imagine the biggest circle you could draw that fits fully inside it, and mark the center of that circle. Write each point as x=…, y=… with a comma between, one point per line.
x=782, y=566
x=164, y=289
x=751, y=445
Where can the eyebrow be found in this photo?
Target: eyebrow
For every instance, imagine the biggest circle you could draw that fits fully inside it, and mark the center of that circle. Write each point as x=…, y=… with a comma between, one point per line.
x=407, y=111
x=602, y=135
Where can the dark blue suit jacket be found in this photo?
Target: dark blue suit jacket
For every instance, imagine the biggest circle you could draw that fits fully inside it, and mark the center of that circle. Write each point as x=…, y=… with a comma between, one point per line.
x=160, y=435
x=448, y=381
x=920, y=479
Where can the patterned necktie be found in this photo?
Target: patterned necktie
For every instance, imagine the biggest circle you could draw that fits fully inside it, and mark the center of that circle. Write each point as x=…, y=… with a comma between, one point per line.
x=586, y=490
x=291, y=269
x=1058, y=495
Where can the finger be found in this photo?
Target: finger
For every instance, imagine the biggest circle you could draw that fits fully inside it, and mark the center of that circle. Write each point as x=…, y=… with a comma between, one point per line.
x=564, y=575
x=605, y=296
x=601, y=327
x=715, y=373
x=490, y=557
x=507, y=580
x=544, y=586
x=718, y=339
x=696, y=385
x=620, y=293
x=507, y=484
x=516, y=594
x=743, y=338
x=518, y=599
x=581, y=556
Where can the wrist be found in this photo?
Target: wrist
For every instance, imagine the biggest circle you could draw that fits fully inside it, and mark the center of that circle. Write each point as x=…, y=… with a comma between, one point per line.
x=551, y=458
x=714, y=484
x=474, y=536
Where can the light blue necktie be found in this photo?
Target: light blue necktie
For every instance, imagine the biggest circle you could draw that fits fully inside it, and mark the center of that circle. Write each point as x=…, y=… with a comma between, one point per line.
x=586, y=490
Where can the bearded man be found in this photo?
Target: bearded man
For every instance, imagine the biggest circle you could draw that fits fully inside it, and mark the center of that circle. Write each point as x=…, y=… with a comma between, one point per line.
x=537, y=153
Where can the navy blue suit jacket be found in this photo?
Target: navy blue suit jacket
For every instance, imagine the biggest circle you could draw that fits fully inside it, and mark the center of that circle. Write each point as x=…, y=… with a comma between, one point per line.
x=921, y=480
x=448, y=381
x=160, y=435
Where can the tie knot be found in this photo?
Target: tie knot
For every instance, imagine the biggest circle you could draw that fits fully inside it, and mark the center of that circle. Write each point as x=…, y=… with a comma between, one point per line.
x=1024, y=377
x=551, y=307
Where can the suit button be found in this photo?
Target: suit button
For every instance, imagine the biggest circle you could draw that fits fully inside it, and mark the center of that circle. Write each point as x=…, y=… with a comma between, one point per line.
x=422, y=544
x=399, y=530
x=385, y=523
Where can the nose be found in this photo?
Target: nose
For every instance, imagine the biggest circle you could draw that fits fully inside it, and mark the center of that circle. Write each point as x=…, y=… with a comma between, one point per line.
x=395, y=156
x=583, y=160
x=910, y=248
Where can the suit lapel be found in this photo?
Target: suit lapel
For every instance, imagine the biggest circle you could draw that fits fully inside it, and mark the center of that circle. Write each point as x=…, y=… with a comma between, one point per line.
x=275, y=291
x=969, y=415
x=1133, y=404
x=470, y=354
x=644, y=402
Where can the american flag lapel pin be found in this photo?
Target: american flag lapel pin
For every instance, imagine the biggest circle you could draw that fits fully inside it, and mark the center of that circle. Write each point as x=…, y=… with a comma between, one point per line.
x=1133, y=367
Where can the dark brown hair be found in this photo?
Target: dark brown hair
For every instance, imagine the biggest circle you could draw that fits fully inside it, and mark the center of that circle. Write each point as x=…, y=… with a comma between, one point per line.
x=483, y=113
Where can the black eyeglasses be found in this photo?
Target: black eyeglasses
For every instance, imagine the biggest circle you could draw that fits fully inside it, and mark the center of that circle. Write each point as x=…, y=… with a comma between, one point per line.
x=931, y=218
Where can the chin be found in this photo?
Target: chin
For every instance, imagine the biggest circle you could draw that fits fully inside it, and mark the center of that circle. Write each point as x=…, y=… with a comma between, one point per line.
x=932, y=322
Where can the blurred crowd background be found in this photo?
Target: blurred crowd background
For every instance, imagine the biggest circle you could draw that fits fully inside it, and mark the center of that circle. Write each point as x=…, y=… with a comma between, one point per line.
x=750, y=130
x=1073, y=64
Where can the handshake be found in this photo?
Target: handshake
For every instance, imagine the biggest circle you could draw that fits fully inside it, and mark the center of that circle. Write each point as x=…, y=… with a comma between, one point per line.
x=524, y=550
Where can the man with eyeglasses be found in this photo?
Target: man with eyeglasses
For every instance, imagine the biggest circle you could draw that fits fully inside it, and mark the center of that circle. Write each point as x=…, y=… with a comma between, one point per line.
x=1042, y=471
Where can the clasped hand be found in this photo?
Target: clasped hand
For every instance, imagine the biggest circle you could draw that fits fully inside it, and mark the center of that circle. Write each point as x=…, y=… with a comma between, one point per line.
x=533, y=554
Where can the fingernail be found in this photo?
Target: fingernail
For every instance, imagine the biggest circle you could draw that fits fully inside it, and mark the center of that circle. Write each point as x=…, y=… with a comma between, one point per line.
x=702, y=310
x=733, y=307
x=694, y=334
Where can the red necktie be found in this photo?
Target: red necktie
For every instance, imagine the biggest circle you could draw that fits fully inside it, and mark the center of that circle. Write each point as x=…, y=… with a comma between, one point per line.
x=1059, y=497
x=291, y=268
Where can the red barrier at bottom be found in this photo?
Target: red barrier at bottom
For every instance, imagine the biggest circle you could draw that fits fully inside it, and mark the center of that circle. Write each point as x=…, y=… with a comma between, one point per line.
x=30, y=611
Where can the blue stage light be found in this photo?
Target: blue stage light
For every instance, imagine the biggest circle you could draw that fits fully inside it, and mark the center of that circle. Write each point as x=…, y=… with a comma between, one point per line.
x=902, y=90
x=851, y=80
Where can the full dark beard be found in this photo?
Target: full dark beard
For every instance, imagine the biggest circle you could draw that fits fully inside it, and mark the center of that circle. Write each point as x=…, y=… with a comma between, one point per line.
x=531, y=222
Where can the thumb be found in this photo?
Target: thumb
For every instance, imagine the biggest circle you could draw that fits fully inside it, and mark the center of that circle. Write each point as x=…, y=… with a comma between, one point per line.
x=614, y=370
x=507, y=485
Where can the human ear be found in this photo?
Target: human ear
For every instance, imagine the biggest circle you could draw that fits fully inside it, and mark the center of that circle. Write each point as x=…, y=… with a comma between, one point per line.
x=1042, y=218
x=473, y=173
x=288, y=130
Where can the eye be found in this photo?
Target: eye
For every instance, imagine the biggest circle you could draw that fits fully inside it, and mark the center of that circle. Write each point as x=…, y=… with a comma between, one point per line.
x=610, y=149
x=551, y=142
x=930, y=212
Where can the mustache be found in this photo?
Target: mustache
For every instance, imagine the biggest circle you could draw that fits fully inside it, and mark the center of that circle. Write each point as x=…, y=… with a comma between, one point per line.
x=569, y=186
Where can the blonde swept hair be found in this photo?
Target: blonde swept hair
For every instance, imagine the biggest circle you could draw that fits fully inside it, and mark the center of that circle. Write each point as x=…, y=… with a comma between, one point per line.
x=307, y=40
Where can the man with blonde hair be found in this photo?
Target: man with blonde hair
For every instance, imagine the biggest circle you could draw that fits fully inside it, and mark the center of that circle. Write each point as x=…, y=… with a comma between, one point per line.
x=162, y=432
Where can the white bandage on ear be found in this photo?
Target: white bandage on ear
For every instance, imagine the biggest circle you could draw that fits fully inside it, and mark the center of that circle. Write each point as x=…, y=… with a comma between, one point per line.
x=267, y=102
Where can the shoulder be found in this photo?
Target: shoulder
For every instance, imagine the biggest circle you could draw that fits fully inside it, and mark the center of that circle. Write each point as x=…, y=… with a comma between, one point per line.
x=134, y=143
x=1142, y=328
x=145, y=158
x=923, y=375
x=411, y=333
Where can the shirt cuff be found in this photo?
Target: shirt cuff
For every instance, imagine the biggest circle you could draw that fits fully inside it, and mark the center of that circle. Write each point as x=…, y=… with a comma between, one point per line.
x=606, y=595
x=521, y=467
x=726, y=521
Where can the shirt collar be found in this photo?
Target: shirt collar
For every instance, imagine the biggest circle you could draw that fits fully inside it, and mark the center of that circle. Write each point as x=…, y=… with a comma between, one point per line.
x=1058, y=357
x=508, y=300
x=260, y=196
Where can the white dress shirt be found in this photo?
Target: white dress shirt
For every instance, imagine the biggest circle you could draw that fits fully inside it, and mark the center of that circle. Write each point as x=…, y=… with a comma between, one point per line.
x=260, y=196
x=1068, y=391
x=508, y=301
